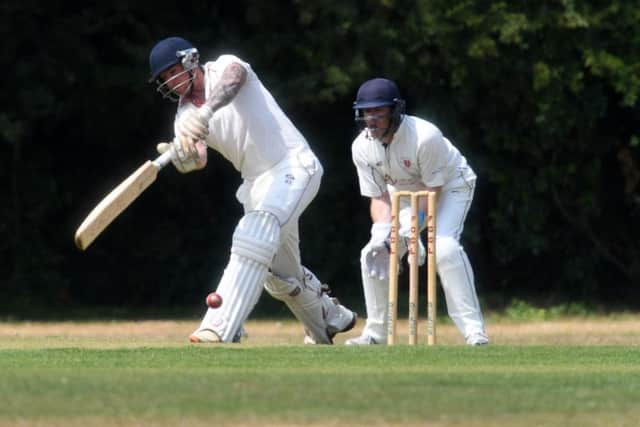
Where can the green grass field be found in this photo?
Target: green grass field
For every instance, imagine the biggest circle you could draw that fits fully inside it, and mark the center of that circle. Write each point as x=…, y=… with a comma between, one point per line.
x=116, y=374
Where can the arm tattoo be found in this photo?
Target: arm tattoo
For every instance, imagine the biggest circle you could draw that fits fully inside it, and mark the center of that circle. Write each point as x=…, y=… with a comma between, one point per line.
x=233, y=77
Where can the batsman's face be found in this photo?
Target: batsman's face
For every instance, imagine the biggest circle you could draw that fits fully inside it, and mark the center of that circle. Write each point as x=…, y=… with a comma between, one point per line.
x=176, y=79
x=377, y=120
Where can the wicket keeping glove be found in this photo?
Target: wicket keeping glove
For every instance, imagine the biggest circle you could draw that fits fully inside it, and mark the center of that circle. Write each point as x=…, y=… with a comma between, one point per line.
x=377, y=256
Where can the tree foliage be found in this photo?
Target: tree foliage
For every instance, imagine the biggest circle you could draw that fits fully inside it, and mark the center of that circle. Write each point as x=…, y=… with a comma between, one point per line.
x=542, y=98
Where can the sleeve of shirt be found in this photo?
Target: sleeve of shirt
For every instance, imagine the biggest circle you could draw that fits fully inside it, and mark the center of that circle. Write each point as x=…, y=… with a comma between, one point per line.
x=369, y=178
x=432, y=157
x=224, y=60
x=218, y=66
x=214, y=69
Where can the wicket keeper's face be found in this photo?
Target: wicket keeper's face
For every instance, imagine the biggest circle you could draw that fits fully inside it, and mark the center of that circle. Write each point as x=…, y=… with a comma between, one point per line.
x=377, y=120
x=176, y=79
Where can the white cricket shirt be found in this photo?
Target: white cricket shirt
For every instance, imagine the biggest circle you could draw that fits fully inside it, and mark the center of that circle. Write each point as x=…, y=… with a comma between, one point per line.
x=418, y=156
x=252, y=131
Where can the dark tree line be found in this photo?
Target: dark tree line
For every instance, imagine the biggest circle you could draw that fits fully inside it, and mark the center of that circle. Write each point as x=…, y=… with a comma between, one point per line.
x=542, y=98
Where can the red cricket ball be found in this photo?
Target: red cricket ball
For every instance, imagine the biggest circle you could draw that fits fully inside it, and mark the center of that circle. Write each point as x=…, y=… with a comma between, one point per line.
x=214, y=300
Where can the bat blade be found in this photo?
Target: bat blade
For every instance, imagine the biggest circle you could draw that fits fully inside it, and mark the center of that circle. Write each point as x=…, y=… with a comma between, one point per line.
x=118, y=200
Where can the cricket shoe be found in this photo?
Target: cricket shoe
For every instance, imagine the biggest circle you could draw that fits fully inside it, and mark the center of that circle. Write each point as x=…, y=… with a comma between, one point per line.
x=477, y=339
x=204, y=336
x=361, y=340
x=209, y=336
x=342, y=320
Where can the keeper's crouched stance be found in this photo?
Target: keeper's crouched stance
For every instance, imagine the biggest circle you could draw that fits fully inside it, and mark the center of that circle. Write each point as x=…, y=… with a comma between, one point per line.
x=399, y=152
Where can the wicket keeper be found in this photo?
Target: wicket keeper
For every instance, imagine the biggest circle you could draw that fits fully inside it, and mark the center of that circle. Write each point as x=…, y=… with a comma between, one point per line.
x=398, y=152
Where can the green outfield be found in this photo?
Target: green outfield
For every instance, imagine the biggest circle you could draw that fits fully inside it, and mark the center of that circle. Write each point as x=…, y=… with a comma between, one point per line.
x=115, y=374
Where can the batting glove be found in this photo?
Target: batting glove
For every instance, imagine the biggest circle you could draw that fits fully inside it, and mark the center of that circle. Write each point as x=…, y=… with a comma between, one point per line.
x=187, y=156
x=193, y=123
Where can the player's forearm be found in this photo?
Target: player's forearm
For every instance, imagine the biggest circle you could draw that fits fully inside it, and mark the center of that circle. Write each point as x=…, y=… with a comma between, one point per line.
x=381, y=209
x=233, y=77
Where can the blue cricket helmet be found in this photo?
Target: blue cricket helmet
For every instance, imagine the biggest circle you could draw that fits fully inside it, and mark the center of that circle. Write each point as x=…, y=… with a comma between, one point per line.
x=377, y=92
x=166, y=53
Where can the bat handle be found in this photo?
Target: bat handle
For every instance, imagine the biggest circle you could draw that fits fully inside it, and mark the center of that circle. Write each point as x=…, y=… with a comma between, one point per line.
x=163, y=159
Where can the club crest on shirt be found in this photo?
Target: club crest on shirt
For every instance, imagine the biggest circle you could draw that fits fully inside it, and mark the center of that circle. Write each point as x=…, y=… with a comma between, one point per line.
x=406, y=163
x=288, y=179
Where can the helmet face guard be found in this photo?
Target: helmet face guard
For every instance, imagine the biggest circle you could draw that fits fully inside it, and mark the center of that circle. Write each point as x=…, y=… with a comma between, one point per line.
x=189, y=59
x=167, y=53
x=379, y=93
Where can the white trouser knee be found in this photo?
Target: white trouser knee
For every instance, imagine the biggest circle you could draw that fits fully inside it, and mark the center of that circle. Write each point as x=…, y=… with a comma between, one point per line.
x=255, y=241
x=311, y=306
x=457, y=280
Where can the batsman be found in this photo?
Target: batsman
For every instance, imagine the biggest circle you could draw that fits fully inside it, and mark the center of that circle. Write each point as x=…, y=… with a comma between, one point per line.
x=224, y=106
x=398, y=152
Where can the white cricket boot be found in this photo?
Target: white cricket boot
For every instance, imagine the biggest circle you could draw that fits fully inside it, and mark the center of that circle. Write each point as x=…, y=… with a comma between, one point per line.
x=204, y=336
x=361, y=340
x=477, y=339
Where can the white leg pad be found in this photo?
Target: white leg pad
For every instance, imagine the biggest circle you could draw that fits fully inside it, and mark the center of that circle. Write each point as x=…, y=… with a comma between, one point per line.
x=376, y=298
x=255, y=241
x=457, y=280
x=321, y=316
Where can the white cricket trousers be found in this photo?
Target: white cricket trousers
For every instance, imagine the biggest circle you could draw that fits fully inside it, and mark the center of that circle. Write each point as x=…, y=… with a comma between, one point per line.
x=454, y=269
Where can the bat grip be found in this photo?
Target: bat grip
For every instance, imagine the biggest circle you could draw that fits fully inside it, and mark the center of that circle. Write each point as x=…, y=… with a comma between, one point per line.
x=163, y=159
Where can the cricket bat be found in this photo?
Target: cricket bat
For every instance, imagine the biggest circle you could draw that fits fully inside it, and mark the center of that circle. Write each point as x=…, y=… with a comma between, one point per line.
x=119, y=199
